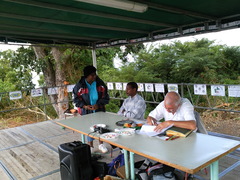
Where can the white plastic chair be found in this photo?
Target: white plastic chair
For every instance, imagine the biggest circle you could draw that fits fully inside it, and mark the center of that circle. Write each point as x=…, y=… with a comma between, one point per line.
x=200, y=125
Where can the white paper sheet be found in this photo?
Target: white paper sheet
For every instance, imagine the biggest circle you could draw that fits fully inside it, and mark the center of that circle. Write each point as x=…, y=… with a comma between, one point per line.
x=149, y=130
x=110, y=86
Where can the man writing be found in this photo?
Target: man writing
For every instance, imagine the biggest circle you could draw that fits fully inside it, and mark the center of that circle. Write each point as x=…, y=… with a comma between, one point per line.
x=134, y=106
x=175, y=110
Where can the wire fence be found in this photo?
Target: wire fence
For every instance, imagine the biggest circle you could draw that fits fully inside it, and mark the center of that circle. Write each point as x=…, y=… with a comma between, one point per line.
x=203, y=96
x=37, y=101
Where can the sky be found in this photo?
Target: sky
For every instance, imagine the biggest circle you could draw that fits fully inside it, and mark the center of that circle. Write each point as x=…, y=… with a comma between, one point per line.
x=226, y=37
x=4, y=47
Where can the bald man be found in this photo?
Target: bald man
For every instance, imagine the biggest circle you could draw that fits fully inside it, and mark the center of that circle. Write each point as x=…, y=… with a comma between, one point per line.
x=175, y=110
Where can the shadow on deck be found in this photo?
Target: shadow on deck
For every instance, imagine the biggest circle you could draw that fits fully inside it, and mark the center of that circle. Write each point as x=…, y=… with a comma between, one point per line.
x=30, y=152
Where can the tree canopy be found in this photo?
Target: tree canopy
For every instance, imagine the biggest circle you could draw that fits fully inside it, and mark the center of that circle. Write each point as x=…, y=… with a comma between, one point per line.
x=13, y=77
x=191, y=62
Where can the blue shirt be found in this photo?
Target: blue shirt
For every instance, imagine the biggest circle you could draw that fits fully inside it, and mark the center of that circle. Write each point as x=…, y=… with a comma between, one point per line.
x=93, y=94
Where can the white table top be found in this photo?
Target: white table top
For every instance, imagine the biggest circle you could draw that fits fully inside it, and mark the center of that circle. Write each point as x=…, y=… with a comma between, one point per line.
x=189, y=154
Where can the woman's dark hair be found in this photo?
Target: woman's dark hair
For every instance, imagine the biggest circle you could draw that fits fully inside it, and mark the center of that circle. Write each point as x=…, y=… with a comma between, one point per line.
x=133, y=85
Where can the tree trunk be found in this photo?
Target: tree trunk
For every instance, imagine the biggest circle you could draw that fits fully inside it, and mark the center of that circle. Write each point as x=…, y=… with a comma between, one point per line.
x=48, y=74
x=60, y=78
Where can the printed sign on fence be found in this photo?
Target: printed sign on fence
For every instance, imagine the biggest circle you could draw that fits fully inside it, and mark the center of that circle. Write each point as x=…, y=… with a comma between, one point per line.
x=70, y=88
x=15, y=95
x=173, y=87
x=149, y=87
x=36, y=92
x=159, y=88
x=110, y=86
x=217, y=90
x=200, y=89
x=52, y=91
x=140, y=87
x=118, y=86
x=234, y=91
x=124, y=86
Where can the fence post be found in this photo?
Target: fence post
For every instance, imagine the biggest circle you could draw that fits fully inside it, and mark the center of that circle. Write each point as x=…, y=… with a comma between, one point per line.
x=182, y=91
x=44, y=106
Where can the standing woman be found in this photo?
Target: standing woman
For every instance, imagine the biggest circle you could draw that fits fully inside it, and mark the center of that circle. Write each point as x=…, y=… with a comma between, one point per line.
x=90, y=96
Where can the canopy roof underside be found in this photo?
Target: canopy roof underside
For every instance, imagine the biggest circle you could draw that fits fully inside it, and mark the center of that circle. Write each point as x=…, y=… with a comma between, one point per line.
x=79, y=23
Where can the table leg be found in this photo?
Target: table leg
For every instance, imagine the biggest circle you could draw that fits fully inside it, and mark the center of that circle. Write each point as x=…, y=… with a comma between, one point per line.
x=126, y=163
x=83, y=138
x=132, y=166
x=214, y=171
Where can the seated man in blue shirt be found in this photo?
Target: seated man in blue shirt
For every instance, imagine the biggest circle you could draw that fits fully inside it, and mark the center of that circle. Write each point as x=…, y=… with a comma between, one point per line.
x=134, y=106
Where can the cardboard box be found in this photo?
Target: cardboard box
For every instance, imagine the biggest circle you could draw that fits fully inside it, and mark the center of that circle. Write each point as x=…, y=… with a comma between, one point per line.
x=111, y=178
x=121, y=172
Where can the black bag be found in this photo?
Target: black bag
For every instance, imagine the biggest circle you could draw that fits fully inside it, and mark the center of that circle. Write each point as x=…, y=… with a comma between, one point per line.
x=100, y=169
x=141, y=169
x=145, y=170
x=161, y=172
x=75, y=161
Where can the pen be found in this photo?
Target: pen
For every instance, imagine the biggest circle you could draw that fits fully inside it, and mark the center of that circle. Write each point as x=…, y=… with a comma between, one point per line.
x=175, y=137
x=153, y=122
x=170, y=138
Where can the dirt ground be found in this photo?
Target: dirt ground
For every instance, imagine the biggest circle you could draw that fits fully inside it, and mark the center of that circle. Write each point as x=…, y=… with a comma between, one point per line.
x=222, y=122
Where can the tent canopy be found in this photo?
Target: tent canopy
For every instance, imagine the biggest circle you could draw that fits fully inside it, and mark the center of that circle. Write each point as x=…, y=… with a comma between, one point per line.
x=74, y=22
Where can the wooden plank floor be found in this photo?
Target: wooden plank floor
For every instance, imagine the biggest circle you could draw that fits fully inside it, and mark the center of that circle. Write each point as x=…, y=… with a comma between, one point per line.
x=30, y=152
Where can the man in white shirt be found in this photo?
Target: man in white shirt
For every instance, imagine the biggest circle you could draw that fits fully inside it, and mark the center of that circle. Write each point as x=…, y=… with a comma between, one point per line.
x=134, y=106
x=175, y=110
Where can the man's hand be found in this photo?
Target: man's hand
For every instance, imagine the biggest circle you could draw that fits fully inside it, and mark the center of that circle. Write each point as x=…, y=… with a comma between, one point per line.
x=87, y=107
x=162, y=126
x=95, y=107
x=151, y=121
x=90, y=107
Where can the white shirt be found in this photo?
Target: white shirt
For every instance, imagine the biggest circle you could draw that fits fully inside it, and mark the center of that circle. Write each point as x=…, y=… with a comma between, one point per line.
x=185, y=112
x=133, y=107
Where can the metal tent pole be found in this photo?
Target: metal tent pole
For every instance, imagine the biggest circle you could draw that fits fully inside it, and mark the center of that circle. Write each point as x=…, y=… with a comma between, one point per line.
x=94, y=57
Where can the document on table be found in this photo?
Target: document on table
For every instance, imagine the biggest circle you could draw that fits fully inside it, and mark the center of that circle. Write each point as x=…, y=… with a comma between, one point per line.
x=149, y=130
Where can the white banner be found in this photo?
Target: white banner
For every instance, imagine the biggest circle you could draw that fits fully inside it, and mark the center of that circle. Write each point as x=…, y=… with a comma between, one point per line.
x=110, y=86
x=200, y=89
x=140, y=87
x=217, y=90
x=70, y=87
x=52, y=91
x=36, y=92
x=118, y=86
x=149, y=87
x=234, y=91
x=159, y=88
x=173, y=87
x=15, y=95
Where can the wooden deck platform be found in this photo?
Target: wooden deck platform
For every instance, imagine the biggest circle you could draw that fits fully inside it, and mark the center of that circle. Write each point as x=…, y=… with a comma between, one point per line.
x=30, y=152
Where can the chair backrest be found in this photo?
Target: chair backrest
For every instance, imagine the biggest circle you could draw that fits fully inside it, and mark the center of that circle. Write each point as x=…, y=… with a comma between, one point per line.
x=200, y=125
